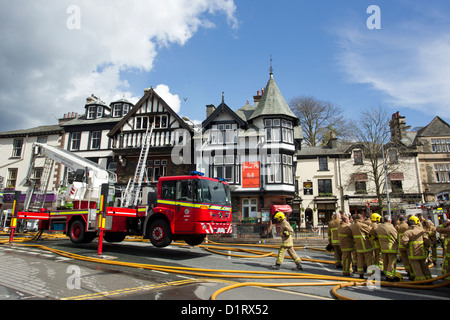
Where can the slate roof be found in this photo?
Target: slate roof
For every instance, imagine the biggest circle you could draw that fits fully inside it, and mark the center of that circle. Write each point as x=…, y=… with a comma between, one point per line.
x=436, y=128
x=37, y=131
x=272, y=103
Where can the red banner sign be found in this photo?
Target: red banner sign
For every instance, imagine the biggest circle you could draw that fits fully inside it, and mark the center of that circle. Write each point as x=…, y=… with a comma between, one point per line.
x=250, y=175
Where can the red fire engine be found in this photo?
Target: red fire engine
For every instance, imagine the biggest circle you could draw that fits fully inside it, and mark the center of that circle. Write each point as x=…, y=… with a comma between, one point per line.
x=180, y=208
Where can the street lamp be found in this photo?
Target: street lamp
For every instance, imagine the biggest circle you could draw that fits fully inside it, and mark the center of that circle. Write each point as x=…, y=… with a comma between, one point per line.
x=385, y=179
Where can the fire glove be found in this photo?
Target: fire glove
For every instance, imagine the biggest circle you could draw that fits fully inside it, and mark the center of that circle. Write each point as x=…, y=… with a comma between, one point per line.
x=286, y=233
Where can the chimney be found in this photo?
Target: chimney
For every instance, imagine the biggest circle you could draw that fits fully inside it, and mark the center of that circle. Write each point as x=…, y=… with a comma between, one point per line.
x=398, y=127
x=257, y=98
x=332, y=143
x=210, y=108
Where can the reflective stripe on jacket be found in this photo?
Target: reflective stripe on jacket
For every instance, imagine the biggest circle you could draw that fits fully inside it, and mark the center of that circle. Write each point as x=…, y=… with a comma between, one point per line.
x=413, y=239
x=388, y=238
x=360, y=231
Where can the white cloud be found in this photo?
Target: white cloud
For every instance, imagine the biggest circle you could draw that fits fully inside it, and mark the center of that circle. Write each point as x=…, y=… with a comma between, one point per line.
x=173, y=100
x=49, y=69
x=408, y=63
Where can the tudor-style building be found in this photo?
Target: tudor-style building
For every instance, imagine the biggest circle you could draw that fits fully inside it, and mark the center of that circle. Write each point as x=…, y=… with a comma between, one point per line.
x=170, y=148
x=253, y=149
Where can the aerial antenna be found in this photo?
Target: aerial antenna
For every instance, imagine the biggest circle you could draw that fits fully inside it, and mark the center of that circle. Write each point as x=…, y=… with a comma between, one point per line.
x=271, y=68
x=223, y=97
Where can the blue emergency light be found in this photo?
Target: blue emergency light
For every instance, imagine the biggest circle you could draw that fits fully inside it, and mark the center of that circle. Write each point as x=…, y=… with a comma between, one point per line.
x=197, y=173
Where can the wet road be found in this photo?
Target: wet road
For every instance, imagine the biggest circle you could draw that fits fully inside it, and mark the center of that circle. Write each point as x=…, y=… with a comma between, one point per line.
x=30, y=273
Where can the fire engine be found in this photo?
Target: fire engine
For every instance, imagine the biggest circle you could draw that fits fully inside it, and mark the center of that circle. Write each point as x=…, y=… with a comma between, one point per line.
x=185, y=207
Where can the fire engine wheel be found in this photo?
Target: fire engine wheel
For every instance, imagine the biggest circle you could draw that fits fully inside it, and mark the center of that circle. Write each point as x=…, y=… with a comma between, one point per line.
x=160, y=234
x=77, y=233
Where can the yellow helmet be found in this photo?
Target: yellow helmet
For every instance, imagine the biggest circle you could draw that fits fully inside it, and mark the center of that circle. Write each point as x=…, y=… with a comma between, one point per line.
x=375, y=217
x=415, y=219
x=279, y=216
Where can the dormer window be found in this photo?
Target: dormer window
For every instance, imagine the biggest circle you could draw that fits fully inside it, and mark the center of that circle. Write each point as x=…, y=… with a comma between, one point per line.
x=117, y=110
x=94, y=112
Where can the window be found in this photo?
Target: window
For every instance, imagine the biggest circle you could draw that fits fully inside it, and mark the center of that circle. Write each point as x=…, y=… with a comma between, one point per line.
x=42, y=139
x=325, y=188
x=440, y=145
x=12, y=178
x=287, y=131
x=168, y=190
x=360, y=187
x=323, y=163
x=442, y=172
x=225, y=167
x=17, y=148
x=224, y=133
x=91, y=112
x=393, y=156
x=357, y=157
x=272, y=130
x=96, y=138
x=117, y=111
x=288, y=176
x=184, y=190
x=249, y=208
x=140, y=123
x=75, y=139
x=156, y=169
x=36, y=175
x=273, y=168
x=397, y=186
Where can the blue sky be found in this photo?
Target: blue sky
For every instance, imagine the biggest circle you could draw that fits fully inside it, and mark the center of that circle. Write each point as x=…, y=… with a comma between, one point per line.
x=198, y=48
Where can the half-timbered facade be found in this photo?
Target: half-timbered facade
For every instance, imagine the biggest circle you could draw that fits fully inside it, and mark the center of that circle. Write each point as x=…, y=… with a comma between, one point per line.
x=170, y=144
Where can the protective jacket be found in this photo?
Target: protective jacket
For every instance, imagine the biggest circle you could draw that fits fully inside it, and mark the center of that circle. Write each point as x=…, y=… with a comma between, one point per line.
x=286, y=234
x=360, y=231
x=401, y=228
x=333, y=237
x=388, y=237
x=345, y=237
x=413, y=240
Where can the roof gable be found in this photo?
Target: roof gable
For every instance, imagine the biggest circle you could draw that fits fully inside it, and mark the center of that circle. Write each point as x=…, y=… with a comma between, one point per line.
x=223, y=108
x=437, y=127
x=149, y=94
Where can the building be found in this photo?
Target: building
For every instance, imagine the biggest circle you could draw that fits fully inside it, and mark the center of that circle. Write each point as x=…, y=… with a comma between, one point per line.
x=253, y=149
x=15, y=156
x=433, y=145
x=170, y=152
x=320, y=188
x=87, y=134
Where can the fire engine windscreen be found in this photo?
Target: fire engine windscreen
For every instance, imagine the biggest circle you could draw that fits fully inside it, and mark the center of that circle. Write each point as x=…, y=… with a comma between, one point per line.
x=213, y=192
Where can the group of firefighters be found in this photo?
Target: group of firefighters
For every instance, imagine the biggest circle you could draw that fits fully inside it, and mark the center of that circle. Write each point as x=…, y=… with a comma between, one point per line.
x=360, y=243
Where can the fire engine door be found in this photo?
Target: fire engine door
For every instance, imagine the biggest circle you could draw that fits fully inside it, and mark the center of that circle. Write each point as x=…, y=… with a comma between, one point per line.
x=184, y=211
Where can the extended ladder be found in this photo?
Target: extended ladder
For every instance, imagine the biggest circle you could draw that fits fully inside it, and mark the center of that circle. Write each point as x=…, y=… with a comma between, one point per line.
x=131, y=194
x=41, y=190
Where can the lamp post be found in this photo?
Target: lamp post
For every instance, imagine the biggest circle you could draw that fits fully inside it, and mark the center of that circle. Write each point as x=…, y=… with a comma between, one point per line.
x=385, y=180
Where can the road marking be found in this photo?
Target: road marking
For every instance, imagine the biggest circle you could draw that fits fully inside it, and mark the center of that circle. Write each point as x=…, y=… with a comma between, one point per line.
x=131, y=290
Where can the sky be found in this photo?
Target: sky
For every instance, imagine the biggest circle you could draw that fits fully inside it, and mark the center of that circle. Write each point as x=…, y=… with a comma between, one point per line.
x=56, y=53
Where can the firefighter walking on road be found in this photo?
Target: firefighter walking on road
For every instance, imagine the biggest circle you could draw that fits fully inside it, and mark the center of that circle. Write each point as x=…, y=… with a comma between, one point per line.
x=388, y=237
x=364, y=248
x=288, y=243
x=413, y=240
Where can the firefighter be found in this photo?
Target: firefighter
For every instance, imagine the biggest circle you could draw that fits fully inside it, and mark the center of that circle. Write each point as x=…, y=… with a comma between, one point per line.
x=333, y=239
x=375, y=218
x=288, y=244
x=444, y=229
x=402, y=251
x=388, y=237
x=364, y=255
x=413, y=240
x=431, y=231
x=346, y=244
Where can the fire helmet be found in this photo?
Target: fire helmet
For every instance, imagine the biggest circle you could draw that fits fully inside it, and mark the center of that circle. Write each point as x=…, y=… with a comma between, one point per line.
x=375, y=217
x=279, y=216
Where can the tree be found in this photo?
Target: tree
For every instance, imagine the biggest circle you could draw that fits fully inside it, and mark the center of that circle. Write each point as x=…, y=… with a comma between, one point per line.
x=372, y=134
x=317, y=119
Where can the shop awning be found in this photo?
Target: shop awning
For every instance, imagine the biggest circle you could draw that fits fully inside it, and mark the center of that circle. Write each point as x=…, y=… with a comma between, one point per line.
x=285, y=208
